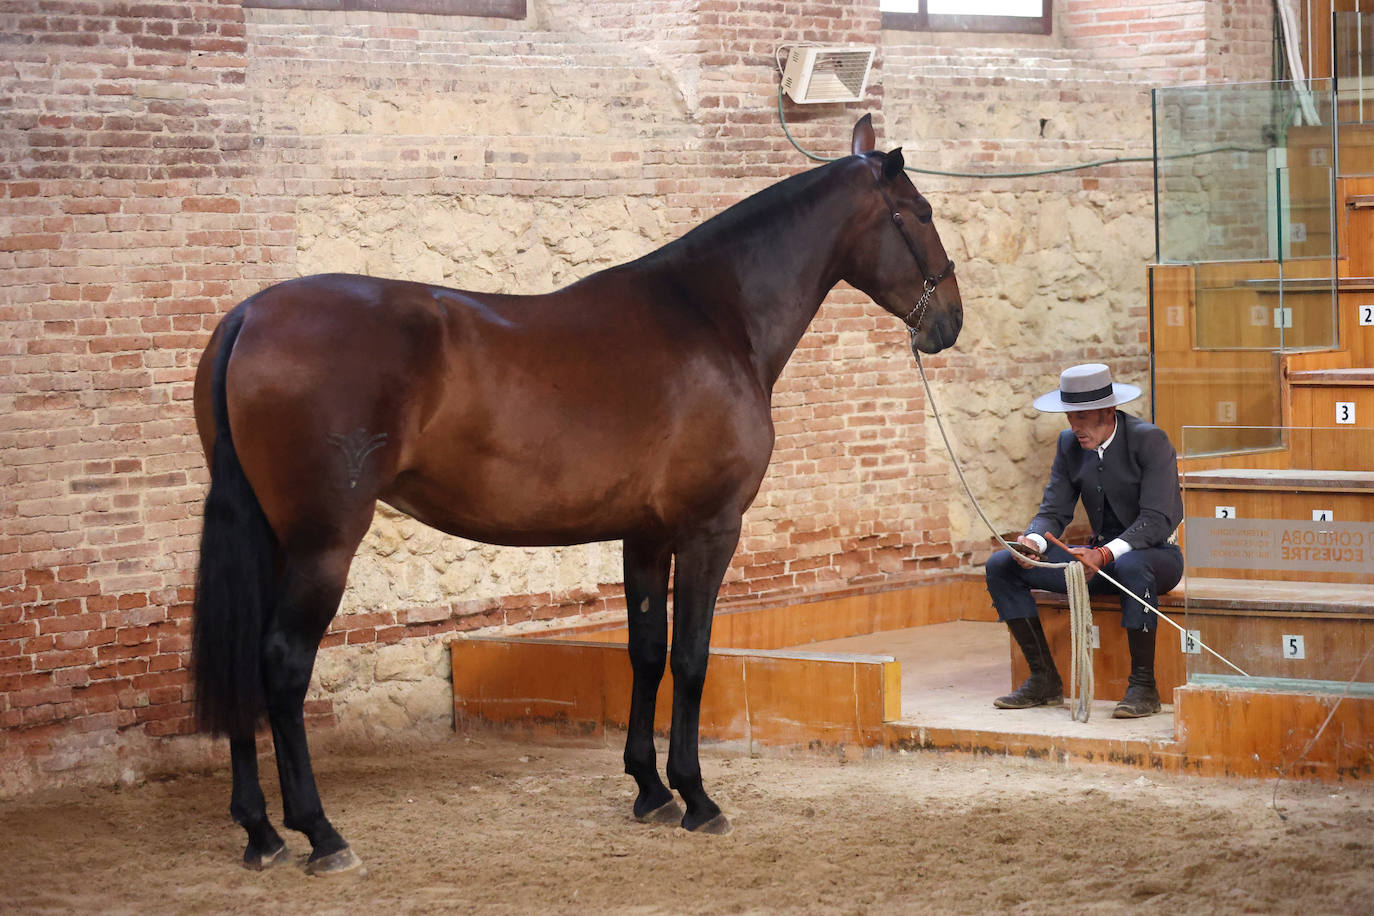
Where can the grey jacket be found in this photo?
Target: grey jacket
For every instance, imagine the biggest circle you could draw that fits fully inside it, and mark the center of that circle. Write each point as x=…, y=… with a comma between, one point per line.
x=1138, y=475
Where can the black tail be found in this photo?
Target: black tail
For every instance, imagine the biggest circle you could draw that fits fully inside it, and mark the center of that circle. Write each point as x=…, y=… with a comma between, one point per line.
x=235, y=582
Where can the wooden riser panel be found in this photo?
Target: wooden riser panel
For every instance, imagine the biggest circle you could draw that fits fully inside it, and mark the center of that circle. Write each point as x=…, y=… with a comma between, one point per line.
x=1112, y=661
x=1261, y=735
x=1357, y=247
x=1340, y=447
x=1206, y=387
x=1297, y=505
x=1239, y=318
x=1228, y=313
x=758, y=699
x=1200, y=308
x=1333, y=644
x=1226, y=393
x=1266, y=504
x=1357, y=339
x=1315, y=405
x=956, y=598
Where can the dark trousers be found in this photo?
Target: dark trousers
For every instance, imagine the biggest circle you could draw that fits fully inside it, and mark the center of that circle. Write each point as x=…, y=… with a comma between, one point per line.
x=1149, y=572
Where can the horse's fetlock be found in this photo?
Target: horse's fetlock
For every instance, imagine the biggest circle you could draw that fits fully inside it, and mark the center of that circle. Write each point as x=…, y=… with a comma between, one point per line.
x=309, y=823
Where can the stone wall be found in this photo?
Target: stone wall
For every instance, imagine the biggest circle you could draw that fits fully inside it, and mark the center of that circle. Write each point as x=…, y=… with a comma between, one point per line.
x=161, y=161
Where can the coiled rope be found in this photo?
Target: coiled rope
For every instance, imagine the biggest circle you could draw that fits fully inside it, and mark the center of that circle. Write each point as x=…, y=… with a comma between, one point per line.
x=1080, y=609
x=1081, y=626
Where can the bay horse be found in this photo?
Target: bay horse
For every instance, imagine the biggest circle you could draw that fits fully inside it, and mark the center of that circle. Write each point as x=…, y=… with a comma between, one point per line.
x=631, y=405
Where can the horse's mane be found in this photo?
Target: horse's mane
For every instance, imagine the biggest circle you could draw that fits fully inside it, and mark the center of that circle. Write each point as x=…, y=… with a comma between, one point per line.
x=760, y=205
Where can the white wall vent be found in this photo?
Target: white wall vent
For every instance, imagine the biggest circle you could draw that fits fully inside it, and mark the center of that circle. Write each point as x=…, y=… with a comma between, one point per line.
x=816, y=73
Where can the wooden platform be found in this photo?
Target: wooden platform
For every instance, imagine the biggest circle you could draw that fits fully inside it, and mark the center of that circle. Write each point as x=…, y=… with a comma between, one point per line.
x=927, y=684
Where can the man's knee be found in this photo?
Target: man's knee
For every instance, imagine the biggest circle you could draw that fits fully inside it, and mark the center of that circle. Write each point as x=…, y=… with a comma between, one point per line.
x=1001, y=566
x=1135, y=565
x=1137, y=573
x=1157, y=570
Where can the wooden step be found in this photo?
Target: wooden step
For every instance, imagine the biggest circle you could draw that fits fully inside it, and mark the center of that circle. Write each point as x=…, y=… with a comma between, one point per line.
x=1286, y=494
x=1245, y=620
x=1297, y=480
x=1352, y=377
x=1246, y=596
x=1308, y=284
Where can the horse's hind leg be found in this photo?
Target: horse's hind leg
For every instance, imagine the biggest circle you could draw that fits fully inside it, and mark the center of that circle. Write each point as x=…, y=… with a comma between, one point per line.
x=311, y=591
x=265, y=846
x=646, y=596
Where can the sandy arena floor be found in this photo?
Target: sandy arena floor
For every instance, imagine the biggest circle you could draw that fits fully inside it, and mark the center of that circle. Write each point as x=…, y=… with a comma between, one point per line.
x=496, y=824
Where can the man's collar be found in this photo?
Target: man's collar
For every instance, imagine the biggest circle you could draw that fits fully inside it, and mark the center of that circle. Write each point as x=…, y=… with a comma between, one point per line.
x=1115, y=426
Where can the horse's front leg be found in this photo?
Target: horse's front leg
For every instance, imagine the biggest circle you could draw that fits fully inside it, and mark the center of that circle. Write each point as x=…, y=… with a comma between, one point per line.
x=702, y=560
x=646, y=596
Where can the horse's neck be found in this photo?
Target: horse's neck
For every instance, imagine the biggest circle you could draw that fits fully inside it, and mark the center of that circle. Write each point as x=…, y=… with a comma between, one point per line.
x=772, y=276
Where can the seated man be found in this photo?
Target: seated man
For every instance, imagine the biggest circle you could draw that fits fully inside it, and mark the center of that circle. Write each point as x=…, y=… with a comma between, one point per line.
x=1126, y=473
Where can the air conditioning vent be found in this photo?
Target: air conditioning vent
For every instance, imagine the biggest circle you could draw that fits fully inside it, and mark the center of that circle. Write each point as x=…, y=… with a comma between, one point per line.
x=826, y=74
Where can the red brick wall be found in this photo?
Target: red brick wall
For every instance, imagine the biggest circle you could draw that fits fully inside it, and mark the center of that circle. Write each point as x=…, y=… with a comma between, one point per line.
x=143, y=192
x=1176, y=41
x=131, y=219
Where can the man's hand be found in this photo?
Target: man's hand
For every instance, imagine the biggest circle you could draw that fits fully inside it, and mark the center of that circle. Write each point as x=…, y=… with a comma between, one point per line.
x=1091, y=559
x=1024, y=547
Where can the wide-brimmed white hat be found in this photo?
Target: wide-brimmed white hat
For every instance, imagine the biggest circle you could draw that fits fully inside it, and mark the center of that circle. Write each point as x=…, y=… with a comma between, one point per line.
x=1086, y=387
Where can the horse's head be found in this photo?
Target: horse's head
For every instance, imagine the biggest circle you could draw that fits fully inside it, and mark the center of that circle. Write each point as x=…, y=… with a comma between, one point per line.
x=897, y=257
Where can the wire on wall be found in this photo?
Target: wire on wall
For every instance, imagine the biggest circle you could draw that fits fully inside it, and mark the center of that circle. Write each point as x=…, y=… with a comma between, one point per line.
x=1052, y=170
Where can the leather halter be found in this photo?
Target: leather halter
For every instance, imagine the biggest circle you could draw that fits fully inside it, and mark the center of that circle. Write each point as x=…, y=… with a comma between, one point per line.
x=930, y=283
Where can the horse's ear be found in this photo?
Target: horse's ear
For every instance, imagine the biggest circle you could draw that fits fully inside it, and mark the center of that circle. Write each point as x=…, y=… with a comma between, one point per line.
x=893, y=164
x=864, y=139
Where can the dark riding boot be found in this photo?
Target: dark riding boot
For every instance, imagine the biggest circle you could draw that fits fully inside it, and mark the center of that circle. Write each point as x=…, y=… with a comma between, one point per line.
x=1142, y=696
x=1043, y=687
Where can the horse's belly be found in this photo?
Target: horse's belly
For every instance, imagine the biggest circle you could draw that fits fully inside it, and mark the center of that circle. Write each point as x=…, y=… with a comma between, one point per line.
x=521, y=513
x=605, y=450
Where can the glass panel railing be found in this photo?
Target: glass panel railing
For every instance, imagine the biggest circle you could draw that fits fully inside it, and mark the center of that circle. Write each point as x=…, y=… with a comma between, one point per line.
x=1217, y=151
x=1265, y=305
x=1279, y=562
x=1245, y=223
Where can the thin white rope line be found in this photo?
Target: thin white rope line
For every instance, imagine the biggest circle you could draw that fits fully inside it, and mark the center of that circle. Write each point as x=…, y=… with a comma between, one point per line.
x=939, y=424
x=1165, y=617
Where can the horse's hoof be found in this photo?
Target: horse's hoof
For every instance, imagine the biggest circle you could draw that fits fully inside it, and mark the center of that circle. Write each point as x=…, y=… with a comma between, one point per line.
x=260, y=861
x=334, y=864
x=670, y=812
x=717, y=826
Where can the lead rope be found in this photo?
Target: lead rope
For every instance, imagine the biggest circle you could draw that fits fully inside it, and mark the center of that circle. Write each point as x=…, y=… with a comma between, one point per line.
x=1080, y=621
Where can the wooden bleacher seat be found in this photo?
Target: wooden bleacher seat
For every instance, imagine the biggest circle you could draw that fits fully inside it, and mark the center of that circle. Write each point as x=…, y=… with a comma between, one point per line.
x=1228, y=613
